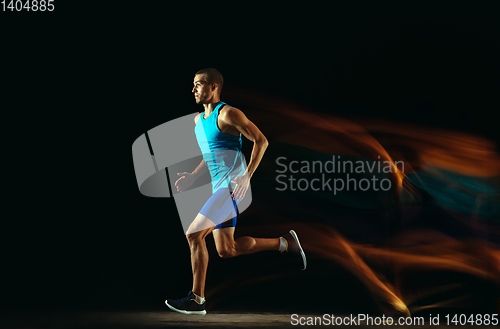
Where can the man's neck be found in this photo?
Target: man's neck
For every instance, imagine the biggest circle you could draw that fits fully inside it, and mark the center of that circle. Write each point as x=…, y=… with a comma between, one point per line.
x=209, y=108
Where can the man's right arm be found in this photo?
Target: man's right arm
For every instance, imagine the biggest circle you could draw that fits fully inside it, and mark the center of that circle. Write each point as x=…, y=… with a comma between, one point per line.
x=187, y=179
x=200, y=170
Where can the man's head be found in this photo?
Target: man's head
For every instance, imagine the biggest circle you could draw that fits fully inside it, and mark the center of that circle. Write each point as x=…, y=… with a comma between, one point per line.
x=207, y=86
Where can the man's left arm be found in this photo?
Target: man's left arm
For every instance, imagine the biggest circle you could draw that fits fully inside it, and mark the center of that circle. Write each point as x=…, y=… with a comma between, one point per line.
x=247, y=128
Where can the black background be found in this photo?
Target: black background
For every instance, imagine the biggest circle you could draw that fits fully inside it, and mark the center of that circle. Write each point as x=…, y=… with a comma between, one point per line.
x=80, y=84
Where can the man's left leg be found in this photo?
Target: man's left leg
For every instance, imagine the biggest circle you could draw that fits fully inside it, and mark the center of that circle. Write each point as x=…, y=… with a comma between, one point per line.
x=227, y=246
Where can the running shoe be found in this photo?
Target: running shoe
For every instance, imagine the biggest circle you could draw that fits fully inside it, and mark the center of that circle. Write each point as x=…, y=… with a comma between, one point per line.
x=293, y=246
x=186, y=305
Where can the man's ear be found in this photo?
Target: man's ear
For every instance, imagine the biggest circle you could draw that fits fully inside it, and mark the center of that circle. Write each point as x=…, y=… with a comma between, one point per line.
x=214, y=85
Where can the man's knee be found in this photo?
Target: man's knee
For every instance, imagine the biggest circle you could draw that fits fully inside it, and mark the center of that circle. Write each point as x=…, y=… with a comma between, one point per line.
x=195, y=238
x=226, y=252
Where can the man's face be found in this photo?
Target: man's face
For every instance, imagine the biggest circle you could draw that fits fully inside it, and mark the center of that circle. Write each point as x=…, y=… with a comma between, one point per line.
x=202, y=90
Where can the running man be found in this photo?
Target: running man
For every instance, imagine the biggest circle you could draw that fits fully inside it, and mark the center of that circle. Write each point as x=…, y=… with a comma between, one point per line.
x=218, y=130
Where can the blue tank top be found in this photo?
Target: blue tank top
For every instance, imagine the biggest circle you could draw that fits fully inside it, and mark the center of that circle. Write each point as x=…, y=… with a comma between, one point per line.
x=221, y=151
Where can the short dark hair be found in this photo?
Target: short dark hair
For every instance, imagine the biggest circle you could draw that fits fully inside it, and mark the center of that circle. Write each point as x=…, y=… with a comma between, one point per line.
x=213, y=76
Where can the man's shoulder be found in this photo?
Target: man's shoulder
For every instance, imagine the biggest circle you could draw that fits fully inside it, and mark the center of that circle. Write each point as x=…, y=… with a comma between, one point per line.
x=229, y=112
x=197, y=117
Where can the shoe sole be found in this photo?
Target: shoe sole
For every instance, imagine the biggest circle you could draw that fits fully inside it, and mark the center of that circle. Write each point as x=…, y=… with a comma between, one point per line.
x=302, y=254
x=185, y=312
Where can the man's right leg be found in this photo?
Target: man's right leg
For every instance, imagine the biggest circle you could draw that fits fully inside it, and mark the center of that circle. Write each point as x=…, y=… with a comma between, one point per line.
x=197, y=232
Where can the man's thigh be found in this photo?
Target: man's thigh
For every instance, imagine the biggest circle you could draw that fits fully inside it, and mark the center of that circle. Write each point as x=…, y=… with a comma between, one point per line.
x=221, y=209
x=218, y=213
x=201, y=223
x=224, y=238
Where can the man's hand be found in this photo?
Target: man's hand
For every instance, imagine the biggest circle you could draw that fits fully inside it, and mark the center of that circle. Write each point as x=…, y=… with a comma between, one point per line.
x=185, y=181
x=242, y=182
